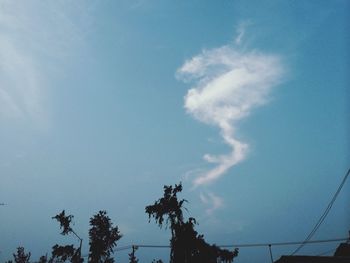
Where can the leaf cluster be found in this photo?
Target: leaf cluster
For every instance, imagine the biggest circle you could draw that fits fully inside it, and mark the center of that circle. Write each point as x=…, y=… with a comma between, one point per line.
x=64, y=221
x=168, y=206
x=103, y=238
x=187, y=246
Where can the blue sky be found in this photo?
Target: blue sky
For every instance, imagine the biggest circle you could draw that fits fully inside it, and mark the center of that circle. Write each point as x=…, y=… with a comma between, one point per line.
x=104, y=102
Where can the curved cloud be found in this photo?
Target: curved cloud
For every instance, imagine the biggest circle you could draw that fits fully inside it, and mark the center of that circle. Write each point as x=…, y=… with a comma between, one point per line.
x=227, y=85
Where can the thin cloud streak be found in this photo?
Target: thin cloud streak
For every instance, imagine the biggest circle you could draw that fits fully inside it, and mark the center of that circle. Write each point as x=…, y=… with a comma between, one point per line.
x=241, y=32
x=34, y=36
x=213, y=201
x=20, y=94
x=227, y=84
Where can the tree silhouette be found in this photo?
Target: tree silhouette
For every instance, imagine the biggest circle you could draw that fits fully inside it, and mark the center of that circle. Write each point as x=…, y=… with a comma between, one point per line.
x=21, y=256
x=43, y=259
x=132, y=257
x=103, y=238
x=186, y=245
x=63, y=253
x=68, y=252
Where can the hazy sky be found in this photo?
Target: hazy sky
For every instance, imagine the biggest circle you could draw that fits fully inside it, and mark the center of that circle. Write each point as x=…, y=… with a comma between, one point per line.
x=104, y=102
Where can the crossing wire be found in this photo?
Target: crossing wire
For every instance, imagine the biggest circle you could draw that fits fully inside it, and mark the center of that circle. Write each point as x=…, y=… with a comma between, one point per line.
x=324, y=215
x=301, y=243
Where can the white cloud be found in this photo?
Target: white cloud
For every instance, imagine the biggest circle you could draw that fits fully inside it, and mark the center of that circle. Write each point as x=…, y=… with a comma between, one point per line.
x=227, y=85
x=34, y=36
x=241, y=31
x=20, y=94
x=213, y=201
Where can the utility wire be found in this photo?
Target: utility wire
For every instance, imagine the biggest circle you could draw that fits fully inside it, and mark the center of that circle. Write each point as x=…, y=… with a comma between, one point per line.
x=123, y=248
x=301, y=243
x=324, y=215
x=237, y=245
x=284, y=243
x=245, y=245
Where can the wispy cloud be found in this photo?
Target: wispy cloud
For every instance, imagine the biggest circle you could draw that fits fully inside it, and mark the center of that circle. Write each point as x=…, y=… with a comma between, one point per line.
x=34, y=35
x=20, y=84
x=211, y=200
x=241, y=28
x=227, y=84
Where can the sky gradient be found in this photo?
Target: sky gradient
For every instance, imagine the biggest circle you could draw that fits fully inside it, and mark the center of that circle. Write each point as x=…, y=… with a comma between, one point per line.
x=245, y=102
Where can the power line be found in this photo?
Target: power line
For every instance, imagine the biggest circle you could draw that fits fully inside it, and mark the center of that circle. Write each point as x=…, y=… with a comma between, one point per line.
x=284, y=243
x=324, y=215
x=116, y=249
x=123, y=248
x=243, y=245
x=301, y=243
x=153, y=246
x=127, y=247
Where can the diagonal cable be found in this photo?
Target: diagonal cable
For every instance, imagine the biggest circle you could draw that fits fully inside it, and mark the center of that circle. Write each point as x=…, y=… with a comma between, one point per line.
x=324, y=215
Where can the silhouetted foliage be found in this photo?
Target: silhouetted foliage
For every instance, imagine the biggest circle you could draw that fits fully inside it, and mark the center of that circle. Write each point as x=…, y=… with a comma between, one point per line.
x=63, y=253
x=43, y=259
x=132, y=257
x=65, y=222
x=68, y=252
x=186, y=245
x=20, y=256
x=103, y=238
x=168, y=206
